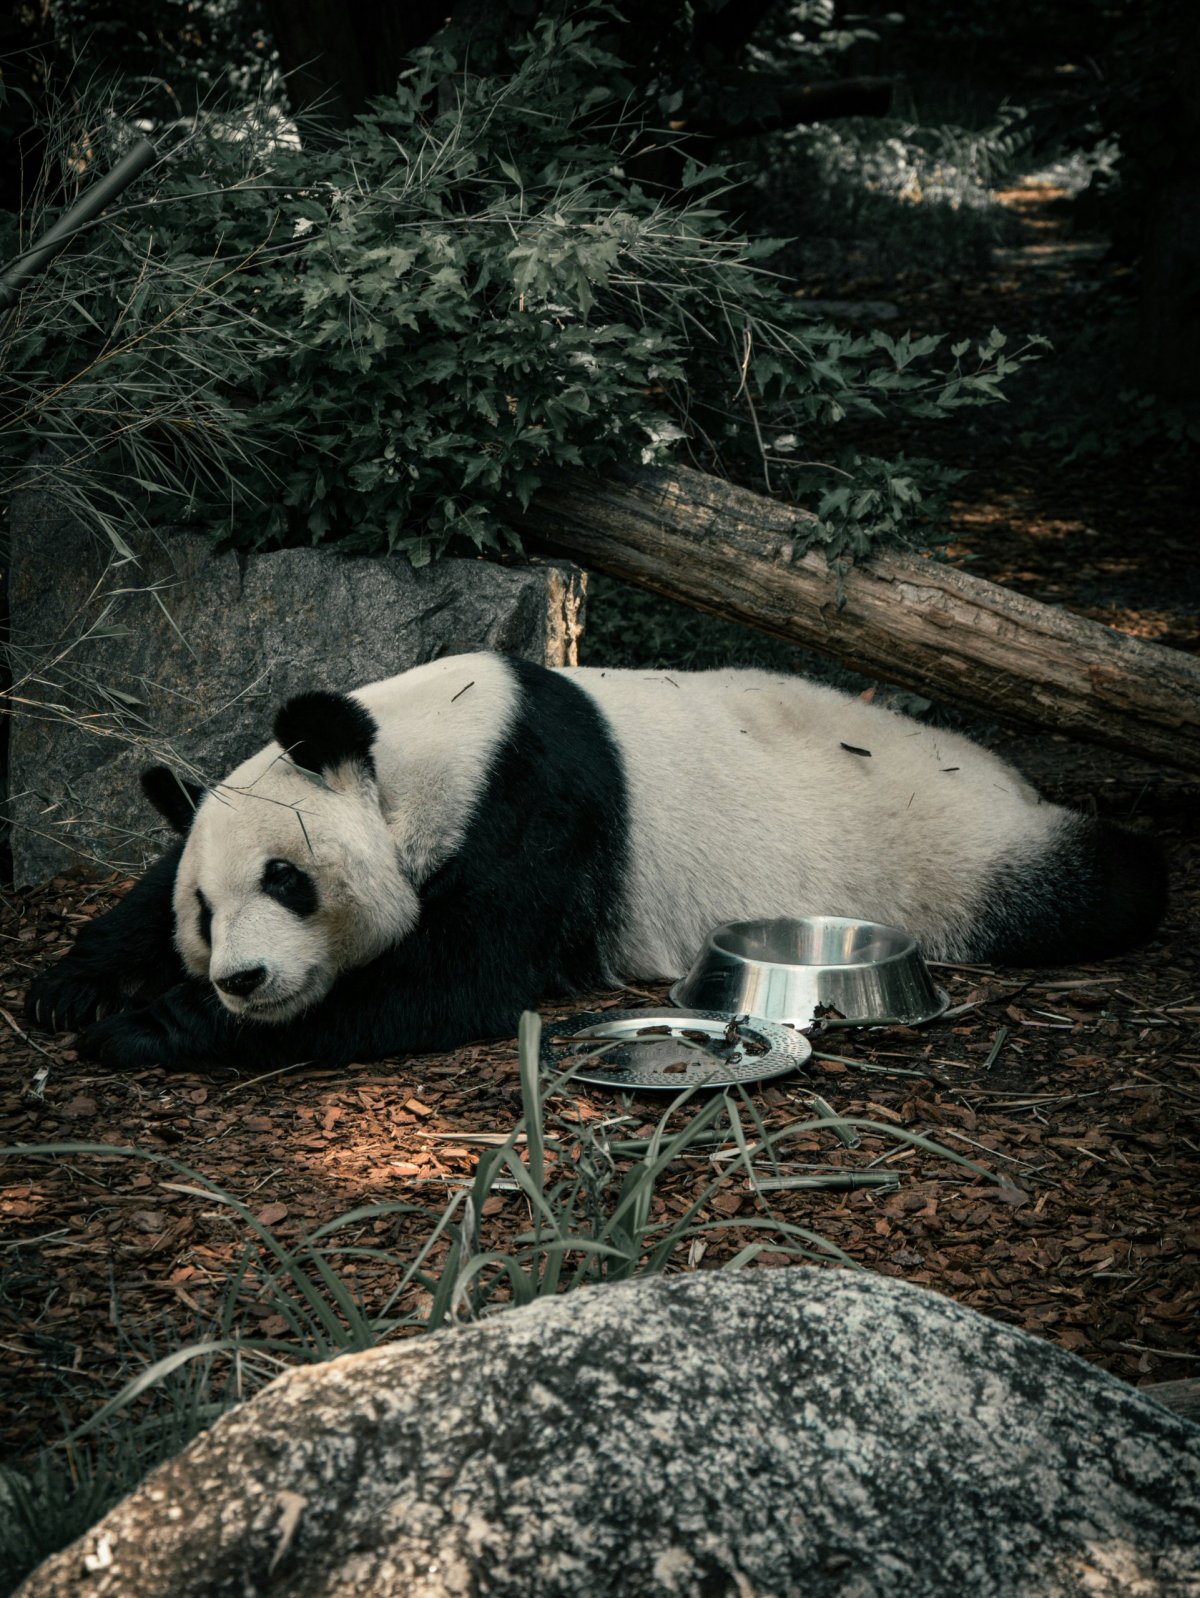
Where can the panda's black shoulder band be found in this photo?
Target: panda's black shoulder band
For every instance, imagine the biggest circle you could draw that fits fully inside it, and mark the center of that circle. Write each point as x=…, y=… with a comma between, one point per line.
x=321, y=730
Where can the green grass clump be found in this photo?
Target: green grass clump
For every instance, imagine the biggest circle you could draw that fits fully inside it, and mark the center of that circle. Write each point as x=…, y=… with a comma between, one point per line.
x=587, y=1224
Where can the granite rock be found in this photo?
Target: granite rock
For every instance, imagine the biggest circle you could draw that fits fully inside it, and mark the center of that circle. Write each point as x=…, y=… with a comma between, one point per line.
x=186, y=655
x=756, y=1434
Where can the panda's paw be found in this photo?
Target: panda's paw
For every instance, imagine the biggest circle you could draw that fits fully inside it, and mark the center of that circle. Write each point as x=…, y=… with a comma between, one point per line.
x=61, y=1000
x=135, y=1037
x=175, y=1032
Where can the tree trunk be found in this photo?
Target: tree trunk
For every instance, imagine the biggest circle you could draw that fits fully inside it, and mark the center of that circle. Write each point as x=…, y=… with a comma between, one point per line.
x=338, y=55
x=911, y=621
x=1182, y=1397
x=1166, y=358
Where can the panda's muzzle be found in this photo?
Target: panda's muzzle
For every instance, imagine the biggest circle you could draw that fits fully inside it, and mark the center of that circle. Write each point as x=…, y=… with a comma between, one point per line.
x=254, y=993
x=241, y=984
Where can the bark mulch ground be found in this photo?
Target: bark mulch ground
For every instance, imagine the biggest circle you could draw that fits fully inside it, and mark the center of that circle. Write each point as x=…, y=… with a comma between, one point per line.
x=1080, y=1088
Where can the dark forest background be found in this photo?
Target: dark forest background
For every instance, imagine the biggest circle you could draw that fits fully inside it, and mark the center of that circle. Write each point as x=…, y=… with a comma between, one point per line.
x=392, y=266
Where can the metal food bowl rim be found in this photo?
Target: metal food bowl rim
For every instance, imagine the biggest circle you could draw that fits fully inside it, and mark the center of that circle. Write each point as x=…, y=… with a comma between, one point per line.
x=940, y=994
x=908, y=944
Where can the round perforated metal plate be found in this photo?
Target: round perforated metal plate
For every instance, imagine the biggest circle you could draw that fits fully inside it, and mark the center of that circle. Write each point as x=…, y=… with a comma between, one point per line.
x=669, y=1050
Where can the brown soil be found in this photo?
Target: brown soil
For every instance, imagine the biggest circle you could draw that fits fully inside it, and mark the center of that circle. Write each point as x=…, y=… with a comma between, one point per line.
x=1079, y=1088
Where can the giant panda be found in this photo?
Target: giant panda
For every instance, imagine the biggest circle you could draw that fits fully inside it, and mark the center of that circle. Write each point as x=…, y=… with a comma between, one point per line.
x=410, y=865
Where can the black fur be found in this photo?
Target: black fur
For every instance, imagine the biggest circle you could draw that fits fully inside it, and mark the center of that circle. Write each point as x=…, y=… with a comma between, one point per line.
x=320, y=731
x=294, y=889
x=204, y=918
x=128, y=954
x=1097, y=892
x=530, y=905
x=175, y=799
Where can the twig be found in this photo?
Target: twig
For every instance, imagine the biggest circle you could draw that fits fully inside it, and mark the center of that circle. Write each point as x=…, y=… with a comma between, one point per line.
x=882, y=1070
x=994, y=1053
x=843, y=1180
x=1160, y=1353
x=949, y=1131
x=24, y=1036
x=1007, y=996
x=841, y=1023
x=487, y=1139
x=240, y=1087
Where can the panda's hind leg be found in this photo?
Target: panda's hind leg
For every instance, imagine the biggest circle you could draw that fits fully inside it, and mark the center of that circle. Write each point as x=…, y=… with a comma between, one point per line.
x=1096, y=890
x=119, y=959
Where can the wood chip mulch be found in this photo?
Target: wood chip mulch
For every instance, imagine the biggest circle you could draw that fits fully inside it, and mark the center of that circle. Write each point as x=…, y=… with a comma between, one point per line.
x=1079, y=1088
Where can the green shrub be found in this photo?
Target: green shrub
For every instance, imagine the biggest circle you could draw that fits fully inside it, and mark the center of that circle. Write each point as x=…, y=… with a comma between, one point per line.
x=126, y=367
x=390, y=343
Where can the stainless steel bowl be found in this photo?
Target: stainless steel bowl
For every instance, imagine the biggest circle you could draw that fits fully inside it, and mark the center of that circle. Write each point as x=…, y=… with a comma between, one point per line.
x=793, y=971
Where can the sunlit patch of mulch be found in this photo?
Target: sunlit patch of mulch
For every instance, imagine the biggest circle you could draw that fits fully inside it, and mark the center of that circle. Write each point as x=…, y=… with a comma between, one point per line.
x=1079, y=1088
x=1092, y=536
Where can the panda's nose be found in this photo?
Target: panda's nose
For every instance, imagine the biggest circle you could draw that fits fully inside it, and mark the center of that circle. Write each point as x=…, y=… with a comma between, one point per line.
x=239, y=984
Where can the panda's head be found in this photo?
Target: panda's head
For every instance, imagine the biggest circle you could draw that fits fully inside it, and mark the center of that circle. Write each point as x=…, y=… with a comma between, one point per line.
x=289, y=875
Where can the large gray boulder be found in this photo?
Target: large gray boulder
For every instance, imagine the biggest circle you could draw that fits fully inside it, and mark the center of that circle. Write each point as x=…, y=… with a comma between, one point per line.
x=186, y=655
x=770, y=1432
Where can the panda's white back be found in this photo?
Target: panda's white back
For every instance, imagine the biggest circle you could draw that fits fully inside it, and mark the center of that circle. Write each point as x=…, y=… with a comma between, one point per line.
x=745, y=801
x=665, y=803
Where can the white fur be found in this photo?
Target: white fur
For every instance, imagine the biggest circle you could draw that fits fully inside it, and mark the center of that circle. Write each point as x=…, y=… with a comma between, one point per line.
x=745, y=804
x=439, y=726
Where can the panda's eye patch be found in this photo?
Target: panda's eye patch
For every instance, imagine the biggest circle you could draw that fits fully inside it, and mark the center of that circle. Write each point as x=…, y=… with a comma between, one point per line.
x=205, y=924
x=294, y=889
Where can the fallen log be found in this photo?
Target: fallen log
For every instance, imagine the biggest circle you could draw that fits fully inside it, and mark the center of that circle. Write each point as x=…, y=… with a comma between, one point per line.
x=1181, y=1397
x=911, y=621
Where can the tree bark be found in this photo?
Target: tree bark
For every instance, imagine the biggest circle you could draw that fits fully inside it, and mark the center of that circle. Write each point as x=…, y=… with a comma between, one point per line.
x=1182, y=1397
x=338, y=55
x=906, y=619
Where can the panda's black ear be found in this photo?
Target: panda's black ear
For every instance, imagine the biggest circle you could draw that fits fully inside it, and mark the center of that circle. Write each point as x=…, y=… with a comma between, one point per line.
x=320, y=731
x=172, y=796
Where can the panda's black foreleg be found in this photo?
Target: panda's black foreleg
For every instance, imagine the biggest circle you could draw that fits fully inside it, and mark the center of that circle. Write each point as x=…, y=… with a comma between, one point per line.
x=116, y=959
x=452, y=981
x=392, y=1007
x=188, y=1027
x=185, y=1026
